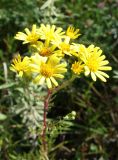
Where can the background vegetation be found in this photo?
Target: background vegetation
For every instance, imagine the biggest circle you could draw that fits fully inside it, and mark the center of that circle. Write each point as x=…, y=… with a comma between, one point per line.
x=93, y=134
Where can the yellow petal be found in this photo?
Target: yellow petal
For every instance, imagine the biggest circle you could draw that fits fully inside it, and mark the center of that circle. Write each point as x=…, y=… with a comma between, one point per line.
x=101, y=58
x=93, y=76
x=20, y=74
x=105, y=68
x=87, y=71
x=48, y=83
x=42, y=80
x=103, y=74
x=12, y=69
x=33, y=28
x=61, y=70
x=105, y=62
x=27, y=31
x=54, y=81
x=37, y=79
x=58, y=75
x=101, y=77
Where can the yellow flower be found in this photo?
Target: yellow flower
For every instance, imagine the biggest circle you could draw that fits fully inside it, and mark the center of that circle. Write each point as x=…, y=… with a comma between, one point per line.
x=20, y=66
x=77, y=67
x=48, y=32
x=80, y=51
x=45, y=49
x=63, y=46
x=95, y=64
x=48, y=69
x=28, y=37
x=72, y=32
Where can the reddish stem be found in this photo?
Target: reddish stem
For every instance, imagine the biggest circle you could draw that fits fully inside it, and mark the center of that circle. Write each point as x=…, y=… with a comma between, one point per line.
x=46, y=104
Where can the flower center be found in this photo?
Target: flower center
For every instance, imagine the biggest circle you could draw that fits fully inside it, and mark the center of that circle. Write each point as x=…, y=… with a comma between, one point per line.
x=93, y=64
x=45, y=52
x=32, y=38
x=46, y=70
x=21, y=67
x=77, y=67
x=70, y=34
x=50, y=35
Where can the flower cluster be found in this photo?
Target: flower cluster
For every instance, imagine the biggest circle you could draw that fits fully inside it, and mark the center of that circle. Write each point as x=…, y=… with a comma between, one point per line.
x=51, y=49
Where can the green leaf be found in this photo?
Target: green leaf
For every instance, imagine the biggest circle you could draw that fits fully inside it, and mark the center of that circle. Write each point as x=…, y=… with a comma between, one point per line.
x=2, y=116
x=7, y=85
x=93, y=148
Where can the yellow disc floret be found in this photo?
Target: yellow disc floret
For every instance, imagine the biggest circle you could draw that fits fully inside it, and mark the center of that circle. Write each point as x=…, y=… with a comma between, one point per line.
x=44, y=48
x=93, y=63
x=46, y=70
x=45, y=52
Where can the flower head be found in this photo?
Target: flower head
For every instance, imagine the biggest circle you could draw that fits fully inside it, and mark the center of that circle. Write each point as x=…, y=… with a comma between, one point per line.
x=63, y=46
x=80, y=51
x=72, y=32
x=28, y=37
x=95, y=63
x=48, y=32
x=77, y=67
x=20, y=66
x=45, y=49
x=48, y=69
